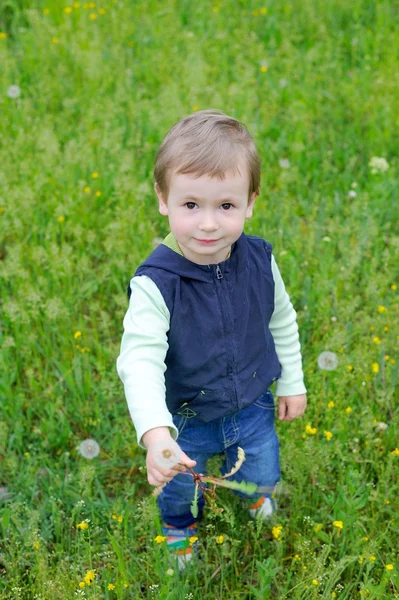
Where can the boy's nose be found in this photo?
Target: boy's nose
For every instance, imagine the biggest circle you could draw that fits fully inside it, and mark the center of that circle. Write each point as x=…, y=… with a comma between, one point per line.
x=209, y=224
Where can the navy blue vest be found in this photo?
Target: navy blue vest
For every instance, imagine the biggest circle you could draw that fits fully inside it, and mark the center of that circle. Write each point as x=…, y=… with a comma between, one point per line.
x=221, y=355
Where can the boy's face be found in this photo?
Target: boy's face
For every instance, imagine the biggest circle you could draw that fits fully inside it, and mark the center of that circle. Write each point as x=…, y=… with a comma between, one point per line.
x=207, y=215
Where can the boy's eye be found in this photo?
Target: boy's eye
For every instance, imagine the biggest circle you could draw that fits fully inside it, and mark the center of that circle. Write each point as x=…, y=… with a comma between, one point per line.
x=190, y=205
x=225, y=205
x=228, y=204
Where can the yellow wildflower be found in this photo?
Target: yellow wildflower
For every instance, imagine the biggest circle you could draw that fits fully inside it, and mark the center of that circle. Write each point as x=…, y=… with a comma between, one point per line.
x=376, y=340
x=386, y=328
x=111, y=586
x=92, y=16
x=297, y=557
x=375, y=367
x=55, y=40
x=3, y=35
x=120, y=519
x=311, y=430
x=81, y=584
x=338, y=524
x=83, y=525
x=361, y=559
x=61, y=219
x=94, y=175
x=98, y=193
x=394, y=287
x=220, y=539
x=395, y=452
x=381, y=309
x=77, y=334
x=330, y=405
x=192, y=539
x=159, y=539
x=102, y=11
x=372, y=558
x=348, y=410
x=263, y=11
x=86, y=189
x=89, y=577
x=387, y=357
x=67, y=10
x=76, y=4
x=114, y=517
x=315, y=581
x=263, y=68
x=276, y=531
x=27, y=454
x=328, y=435
x=350, y=368
x=333, y=595
x=46, y=11
x=389, y=567
x=36, y=545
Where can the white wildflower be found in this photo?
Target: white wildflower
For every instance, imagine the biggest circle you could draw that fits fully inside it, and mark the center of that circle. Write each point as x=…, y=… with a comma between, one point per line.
x=326, y=238
x=284, y=163
x=381, y=426
x=352, y=194
x=378, y=165
x=327, y=361
x=14, y=91
x=283, y=83
x=89, y=449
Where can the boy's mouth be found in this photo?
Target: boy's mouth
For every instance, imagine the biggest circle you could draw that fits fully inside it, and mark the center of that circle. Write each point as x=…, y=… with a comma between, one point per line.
x=206, y=241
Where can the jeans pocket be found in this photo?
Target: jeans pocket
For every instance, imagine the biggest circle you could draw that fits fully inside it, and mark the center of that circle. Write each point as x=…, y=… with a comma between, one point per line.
x=180, y=422
x=266, y=401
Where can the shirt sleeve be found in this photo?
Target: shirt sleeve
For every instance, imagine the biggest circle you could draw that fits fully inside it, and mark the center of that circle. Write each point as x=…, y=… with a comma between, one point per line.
x=141, y=362
x=284, y=329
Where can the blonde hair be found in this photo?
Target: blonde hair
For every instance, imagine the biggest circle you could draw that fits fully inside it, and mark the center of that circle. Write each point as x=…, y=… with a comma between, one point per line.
x=207, y=142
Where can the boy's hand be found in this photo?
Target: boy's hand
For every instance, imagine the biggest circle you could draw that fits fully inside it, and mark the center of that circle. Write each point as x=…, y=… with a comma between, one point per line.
x=291, y=407
x=164, y=456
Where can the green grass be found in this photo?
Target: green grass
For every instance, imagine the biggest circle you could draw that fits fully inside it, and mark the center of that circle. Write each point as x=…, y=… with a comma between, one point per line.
x=100, y=100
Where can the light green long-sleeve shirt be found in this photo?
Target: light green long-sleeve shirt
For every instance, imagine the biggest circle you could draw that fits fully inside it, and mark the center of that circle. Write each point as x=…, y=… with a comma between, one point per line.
x=141, y=362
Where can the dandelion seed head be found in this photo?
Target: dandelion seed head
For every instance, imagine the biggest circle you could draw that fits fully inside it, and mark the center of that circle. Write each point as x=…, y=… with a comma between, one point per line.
x=167, y=453
x=284, y=163
x=14, y=91
x=327, y=361
x=352, y=194
x=89, y=449
x=378, y=165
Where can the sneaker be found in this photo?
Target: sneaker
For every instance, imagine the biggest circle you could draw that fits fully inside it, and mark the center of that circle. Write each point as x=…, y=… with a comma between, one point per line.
x=181, y=543
x=263, y=508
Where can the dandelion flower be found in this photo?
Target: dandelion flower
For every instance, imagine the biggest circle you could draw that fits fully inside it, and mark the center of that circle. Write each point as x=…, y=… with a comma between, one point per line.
x=372, y=558
x=77, y=334
x=378, y=165
x=89, y=449
x=327, y=361
x=167, y=453
x=14, y=91
x=82, y=526
x=375, y=367
x=348, y=409
x=328, y=435
x=193, y=539
x=3, y=35
x=95, y=175
x=389, y=567
x=276, y=531
x=110, y=586
x=220, y=539
x=338, y=524
x=159, y=539
x=315, y=581
x=330, y=405
x=395, y=452
x=381, y=308
x=81, y=584
x=89, y=577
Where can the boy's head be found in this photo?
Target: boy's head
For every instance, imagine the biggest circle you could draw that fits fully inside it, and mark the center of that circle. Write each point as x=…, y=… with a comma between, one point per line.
x=207, y=175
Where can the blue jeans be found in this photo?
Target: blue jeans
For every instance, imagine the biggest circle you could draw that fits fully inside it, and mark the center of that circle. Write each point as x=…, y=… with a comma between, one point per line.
x=252, y=428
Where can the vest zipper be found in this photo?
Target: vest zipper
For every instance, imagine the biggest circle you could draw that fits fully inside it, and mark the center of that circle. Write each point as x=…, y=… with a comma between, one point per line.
x=219, y=273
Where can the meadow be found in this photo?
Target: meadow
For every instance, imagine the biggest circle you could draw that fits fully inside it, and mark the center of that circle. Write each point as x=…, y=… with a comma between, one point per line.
x=87, y=93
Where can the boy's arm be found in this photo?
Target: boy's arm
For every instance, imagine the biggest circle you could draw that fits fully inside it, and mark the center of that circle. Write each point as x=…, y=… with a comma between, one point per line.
x=141, y=362
x=284, y=329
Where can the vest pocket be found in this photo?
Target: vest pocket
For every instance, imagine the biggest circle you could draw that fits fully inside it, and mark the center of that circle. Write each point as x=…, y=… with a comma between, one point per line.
x=180, y=422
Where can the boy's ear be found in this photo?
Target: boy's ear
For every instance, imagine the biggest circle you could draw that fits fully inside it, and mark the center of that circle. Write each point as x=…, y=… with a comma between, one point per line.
x=250, y=207
x=162, y=205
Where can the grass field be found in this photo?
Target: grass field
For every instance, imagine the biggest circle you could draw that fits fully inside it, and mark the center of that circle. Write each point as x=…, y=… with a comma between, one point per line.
x=87, y=93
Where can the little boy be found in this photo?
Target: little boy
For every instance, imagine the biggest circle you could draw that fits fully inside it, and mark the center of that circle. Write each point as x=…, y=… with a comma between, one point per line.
x=209, y=326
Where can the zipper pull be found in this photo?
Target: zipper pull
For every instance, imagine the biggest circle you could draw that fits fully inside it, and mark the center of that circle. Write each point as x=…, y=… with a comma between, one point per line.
x=219, y=273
